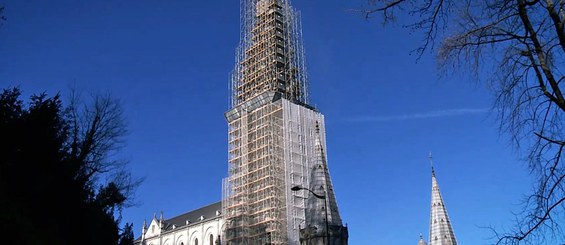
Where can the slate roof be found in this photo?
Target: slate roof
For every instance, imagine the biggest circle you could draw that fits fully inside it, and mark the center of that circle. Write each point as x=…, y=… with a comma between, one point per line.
x=194, y=215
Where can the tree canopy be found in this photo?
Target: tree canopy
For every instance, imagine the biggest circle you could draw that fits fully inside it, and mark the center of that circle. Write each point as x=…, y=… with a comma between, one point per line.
x=58, y=181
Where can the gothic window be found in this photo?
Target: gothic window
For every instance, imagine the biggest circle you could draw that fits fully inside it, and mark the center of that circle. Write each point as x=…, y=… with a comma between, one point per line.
x=195, y=241
x=211, y=239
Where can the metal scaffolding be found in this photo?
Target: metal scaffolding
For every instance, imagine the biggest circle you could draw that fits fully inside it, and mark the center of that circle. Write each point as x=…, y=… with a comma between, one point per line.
x=270, y=56
x=271, y=144
x=253, y=205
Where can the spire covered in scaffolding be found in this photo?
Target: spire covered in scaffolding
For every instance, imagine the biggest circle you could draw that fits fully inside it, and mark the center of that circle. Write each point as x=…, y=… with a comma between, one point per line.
x=441, y=232
x=268, y=79
x=270, y=56
x=271, y=143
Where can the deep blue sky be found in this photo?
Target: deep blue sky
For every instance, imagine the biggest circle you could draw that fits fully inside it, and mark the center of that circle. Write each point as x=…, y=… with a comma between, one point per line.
x=169, y=62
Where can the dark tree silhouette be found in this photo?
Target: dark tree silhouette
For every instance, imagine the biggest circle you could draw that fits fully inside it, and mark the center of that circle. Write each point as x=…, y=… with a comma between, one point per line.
x=520, y=46
x=127, y=235
x=51, y=171
x=2, y=18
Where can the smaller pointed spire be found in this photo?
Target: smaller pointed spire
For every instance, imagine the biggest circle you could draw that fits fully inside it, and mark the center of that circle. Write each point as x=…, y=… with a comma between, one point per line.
x=441, y=231
x=320, y=183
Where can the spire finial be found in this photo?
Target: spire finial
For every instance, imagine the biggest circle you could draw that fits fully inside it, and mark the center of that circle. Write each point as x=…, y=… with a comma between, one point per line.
x=143, y=230
x=431, y=162
x=317, y=140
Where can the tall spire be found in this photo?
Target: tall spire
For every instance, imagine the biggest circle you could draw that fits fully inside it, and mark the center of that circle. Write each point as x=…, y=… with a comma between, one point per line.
x=441, y=232
x=271, y=146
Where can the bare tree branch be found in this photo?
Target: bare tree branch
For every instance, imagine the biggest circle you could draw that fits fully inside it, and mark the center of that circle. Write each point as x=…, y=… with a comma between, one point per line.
x=518, y=47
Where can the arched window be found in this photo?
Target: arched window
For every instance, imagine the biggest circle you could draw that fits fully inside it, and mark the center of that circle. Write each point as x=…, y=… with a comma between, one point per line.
x=211, y=239
x=195, y=241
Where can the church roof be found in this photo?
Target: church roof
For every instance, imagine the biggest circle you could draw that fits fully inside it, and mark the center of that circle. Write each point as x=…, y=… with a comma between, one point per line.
x=194, y=216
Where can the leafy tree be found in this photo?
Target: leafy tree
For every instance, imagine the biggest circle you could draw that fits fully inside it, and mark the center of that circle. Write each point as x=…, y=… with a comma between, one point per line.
x=52, y=160
x=520, y=46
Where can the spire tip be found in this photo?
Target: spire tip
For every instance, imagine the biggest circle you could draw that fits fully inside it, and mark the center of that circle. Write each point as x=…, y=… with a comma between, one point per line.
x=431, y=163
